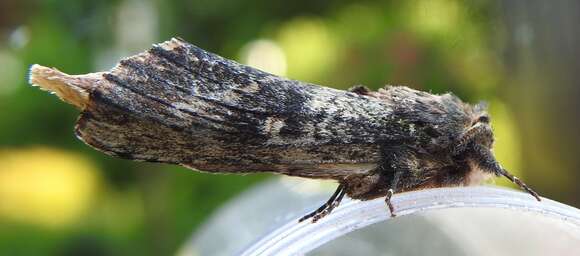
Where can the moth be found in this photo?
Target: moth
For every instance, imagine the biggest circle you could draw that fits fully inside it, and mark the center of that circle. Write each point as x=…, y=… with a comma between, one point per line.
x=179, y=104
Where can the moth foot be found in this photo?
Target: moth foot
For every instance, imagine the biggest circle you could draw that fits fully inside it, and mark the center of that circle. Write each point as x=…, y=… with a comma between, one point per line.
x=389, y=204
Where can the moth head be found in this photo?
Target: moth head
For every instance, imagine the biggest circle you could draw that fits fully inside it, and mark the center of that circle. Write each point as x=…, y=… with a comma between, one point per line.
x=480, y=130
x=477, y=136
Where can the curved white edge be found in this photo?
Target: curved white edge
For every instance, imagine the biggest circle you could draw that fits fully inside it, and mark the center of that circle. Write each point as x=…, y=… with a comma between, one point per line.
x=299, y=238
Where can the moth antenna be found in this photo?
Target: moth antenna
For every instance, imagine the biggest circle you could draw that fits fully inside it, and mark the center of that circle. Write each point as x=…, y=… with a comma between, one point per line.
x=488, y=162
x=520, y=183
x=478, y=130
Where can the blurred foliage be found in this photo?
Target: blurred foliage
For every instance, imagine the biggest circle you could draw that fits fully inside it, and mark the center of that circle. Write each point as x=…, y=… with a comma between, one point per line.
x=58, y=196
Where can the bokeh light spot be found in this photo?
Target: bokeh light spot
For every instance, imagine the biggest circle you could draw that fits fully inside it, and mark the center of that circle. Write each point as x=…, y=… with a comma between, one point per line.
x=310, y=47
x=436, y=17
x=265, y=55
x=11, y=72
x=45, y=186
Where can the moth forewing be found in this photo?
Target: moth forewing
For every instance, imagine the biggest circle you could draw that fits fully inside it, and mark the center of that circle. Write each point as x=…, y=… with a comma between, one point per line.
x=180, y=104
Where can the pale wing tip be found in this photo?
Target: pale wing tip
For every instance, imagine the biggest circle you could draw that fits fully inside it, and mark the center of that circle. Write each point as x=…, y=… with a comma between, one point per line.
x=68, y=88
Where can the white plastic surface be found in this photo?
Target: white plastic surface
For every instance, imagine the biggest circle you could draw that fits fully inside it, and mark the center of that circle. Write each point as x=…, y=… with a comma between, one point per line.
x=300, y=238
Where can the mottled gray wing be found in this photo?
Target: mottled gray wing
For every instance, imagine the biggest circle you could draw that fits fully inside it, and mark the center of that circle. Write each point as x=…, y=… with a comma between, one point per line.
x=179, y=104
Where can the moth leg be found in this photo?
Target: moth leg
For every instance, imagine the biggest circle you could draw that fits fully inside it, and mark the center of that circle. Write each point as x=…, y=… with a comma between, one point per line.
x=391, y=191
x=488, y=162
x=327, y=207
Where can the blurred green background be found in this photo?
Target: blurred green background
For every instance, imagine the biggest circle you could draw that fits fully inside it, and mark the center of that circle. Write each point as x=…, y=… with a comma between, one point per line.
x=60, y=197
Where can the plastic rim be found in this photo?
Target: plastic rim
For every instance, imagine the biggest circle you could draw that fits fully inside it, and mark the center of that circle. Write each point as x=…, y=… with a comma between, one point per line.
x=300, y=238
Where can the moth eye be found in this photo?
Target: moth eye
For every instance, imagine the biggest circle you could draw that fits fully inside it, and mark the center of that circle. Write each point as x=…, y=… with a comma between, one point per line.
x=483, y=119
